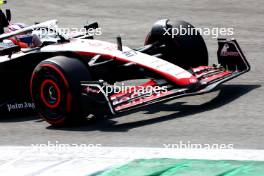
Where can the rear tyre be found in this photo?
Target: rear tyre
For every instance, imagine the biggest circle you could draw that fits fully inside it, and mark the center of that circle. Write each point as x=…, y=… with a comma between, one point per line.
x=187, y=51
x=56, y=90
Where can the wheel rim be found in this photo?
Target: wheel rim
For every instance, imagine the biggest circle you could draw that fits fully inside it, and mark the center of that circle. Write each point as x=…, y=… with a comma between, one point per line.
x=50, y=93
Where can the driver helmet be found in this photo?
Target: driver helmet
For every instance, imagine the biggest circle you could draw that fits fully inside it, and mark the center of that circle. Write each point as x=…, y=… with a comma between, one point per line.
x=25, y=40
x=16, y=26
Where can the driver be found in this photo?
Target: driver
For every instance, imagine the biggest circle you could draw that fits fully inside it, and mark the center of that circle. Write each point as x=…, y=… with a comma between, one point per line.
x=26, y=40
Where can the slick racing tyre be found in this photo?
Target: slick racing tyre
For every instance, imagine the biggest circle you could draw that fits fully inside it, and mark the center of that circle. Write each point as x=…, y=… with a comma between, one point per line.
x=56, y=89
x=184, y=46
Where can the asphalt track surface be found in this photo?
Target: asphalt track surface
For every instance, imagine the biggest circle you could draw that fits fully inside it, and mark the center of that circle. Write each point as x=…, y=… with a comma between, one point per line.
x=231, y=115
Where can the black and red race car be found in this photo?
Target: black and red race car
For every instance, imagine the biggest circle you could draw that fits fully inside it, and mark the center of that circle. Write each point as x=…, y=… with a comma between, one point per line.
x=69, y=77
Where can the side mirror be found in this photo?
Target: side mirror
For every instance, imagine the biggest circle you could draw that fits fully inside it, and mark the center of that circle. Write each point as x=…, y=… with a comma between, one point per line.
x=93, y=25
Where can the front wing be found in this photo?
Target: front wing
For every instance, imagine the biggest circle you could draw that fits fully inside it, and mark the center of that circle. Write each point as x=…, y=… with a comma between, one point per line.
x=231, y=63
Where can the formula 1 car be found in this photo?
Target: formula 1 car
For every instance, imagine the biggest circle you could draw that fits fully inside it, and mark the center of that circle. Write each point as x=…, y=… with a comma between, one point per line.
x=68, y=78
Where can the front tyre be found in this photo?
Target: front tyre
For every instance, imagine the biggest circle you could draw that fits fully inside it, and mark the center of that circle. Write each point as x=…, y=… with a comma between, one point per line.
x=56, y=89
x=186, y=49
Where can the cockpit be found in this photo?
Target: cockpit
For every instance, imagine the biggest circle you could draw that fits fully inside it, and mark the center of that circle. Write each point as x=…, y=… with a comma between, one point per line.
x=30, y=38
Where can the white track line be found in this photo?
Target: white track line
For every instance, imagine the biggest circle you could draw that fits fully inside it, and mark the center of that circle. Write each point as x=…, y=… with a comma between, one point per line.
x=30, y=161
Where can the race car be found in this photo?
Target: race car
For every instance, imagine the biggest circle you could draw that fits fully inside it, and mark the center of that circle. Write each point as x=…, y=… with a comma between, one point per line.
x=67, y=78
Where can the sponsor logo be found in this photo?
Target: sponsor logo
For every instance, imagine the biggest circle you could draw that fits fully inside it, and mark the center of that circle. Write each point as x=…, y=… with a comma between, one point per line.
x=193, y=80
x=92, y=90
x=130, y=53
x=20, y=106
x=225, y=52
